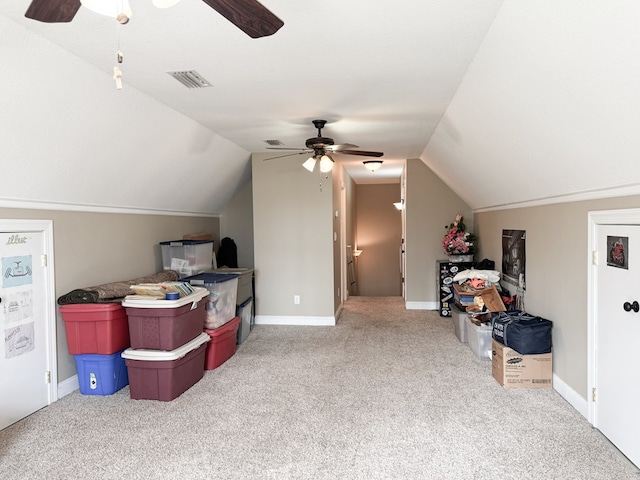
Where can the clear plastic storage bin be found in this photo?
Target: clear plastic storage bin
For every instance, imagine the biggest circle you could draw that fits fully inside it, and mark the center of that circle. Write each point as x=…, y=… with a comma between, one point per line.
x=479, y=339
x=187, y=257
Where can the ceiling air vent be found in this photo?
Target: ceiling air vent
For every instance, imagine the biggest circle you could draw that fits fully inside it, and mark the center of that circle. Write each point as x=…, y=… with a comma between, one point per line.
x=274, y=143
x=190, y=79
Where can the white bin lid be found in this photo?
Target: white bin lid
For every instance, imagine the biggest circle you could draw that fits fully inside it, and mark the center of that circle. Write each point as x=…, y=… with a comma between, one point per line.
x=161, y=355
x=137, y=302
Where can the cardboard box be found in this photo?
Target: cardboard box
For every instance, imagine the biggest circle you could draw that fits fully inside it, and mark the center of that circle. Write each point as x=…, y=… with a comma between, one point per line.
x=198, y=236
x=492, y=299
x=513, y=370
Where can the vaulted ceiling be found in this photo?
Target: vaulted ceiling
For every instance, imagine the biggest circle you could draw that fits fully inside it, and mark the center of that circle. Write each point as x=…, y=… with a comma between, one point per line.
x=507, y=101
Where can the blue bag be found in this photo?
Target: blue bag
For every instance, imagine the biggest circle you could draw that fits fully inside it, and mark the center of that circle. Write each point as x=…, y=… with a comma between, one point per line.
x=526, y=334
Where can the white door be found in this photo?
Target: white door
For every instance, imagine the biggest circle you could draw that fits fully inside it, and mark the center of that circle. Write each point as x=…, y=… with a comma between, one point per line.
x=28, y=337
x=617, y=337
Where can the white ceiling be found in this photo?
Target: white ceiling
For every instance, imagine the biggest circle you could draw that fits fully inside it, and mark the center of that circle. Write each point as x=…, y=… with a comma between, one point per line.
x=382, y=73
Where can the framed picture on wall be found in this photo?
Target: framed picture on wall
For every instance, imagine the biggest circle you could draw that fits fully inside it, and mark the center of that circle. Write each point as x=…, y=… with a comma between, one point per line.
x=617, y=252
x=513, y=257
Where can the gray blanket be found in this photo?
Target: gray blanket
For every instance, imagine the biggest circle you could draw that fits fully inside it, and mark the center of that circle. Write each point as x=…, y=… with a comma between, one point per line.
x=114, y=291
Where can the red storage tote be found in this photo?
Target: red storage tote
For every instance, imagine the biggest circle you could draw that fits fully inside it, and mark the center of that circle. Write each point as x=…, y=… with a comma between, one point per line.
x=97, y=328
x=222, y=345
x=160, y=375
x=166, y=324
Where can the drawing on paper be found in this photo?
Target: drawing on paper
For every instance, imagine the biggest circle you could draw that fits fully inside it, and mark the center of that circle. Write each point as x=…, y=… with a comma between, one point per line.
x=19, y=340
x=16, y=271
x=18, y=306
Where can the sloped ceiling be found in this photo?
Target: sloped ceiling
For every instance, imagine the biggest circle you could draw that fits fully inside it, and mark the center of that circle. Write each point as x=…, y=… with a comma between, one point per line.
x=507, y=101
x=549, y=109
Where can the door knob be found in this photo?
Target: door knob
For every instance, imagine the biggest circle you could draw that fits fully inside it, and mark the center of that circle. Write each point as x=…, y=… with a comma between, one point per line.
x=631, y=306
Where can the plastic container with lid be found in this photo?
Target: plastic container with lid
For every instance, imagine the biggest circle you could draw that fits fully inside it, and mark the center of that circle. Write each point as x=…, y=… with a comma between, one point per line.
x=221, y=302
x=95, y=328
x=166, y=324
x=165, y=375
x=187, y=257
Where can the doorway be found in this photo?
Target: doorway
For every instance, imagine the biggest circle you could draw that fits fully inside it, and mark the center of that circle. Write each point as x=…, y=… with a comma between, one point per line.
x=28, y=366
x=614, y=327
x=379, y=240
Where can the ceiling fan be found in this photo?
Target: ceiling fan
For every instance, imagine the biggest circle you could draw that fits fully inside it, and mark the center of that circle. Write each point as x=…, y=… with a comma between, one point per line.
x=320, y=147
x=250, y=16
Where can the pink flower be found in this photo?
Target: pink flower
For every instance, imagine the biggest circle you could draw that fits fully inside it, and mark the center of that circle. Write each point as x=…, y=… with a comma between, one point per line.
x=457, y=241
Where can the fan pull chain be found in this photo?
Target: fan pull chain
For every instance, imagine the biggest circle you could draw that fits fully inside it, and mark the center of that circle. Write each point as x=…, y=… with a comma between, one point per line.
x=117, y=73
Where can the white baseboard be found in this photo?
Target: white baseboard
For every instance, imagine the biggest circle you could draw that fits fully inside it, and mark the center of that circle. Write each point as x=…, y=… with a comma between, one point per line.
x=279, y=320
x=571, y=396
x=421, y=305
x=68, y=386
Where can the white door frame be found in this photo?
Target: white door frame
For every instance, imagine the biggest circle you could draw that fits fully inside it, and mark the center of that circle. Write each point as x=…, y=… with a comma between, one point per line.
x=46, y=228
x=629, y=216
x=344, y=289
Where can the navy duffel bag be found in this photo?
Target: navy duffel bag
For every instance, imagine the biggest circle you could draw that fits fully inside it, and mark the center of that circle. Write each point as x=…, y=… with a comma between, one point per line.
x=526, y=334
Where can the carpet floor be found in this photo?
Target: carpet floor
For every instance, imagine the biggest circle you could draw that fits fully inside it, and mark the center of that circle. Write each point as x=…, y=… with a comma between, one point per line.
x=387, y=393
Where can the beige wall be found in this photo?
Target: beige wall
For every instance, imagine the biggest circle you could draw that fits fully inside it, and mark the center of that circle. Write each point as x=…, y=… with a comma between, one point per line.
x=236, y=222
x=95, y=248
x=557, y=263
x=292, y=225
x=379, y=236
x=430, y=205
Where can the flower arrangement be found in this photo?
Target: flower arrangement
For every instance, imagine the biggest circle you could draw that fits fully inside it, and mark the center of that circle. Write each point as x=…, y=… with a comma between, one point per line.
x=457, y=241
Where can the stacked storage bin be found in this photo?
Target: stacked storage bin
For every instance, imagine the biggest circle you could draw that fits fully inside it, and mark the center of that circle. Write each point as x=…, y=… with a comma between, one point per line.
x=244, y=300
x=188, y=257
x=168, y=345
x=479, y=339
x=97, y=334
x=221, y=322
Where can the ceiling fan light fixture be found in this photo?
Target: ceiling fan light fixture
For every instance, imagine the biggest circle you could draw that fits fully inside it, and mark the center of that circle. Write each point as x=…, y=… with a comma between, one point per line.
x=110, y=8
x=372, y=165
x=310, y=164
x=326, y=164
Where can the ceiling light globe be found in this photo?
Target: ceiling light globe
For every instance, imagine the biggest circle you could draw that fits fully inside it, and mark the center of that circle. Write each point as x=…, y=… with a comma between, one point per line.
x=109, y=8
x=326, y=164
x=372, y=165
x=310, y=164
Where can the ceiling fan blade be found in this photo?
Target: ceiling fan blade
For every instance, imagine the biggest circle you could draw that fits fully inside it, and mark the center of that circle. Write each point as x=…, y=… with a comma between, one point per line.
x=250, y=16
x=288, y=155
x=342, y=146
x=53, y=11
x=362, y=153
x=286, y=148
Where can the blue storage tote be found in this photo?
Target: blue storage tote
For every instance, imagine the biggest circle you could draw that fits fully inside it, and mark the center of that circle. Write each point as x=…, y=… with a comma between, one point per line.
x=221, y=302
x=101, y=374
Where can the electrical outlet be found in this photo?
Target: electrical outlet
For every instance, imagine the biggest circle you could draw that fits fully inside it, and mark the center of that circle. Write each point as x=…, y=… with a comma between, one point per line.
x=296, y=299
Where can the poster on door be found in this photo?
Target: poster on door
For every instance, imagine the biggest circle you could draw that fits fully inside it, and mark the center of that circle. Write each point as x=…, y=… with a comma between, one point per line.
x=19, y=340
x=17, y=305
x=617, y=248
x=16, y=271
